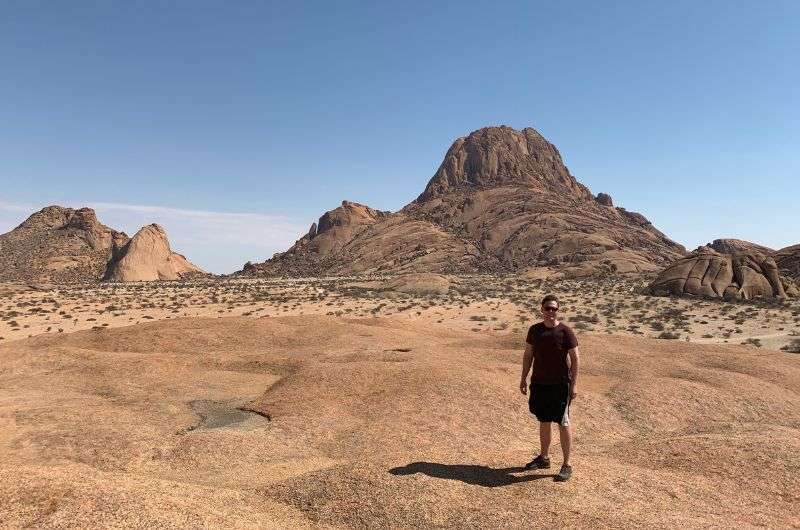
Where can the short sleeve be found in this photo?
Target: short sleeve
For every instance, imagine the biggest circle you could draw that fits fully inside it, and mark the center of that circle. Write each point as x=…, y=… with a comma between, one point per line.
x=571, y=340
x=529, y=338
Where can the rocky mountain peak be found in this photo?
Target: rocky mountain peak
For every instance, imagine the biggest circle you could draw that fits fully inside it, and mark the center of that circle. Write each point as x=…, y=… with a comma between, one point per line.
x=47, y=218
x=502, y=200
x=502, y=156
x=83, y=220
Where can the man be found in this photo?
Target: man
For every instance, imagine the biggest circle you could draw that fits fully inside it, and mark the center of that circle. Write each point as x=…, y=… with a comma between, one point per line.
x=553, y=349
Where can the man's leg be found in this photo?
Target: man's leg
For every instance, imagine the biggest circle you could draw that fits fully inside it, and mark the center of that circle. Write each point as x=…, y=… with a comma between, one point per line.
x=545, y=434
x=565, y=436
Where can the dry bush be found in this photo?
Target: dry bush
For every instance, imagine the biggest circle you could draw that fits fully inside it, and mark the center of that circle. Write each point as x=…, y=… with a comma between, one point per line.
x=792, y=347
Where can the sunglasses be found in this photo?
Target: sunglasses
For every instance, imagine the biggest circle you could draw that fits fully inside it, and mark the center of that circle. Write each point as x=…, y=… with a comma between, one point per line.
x=550, y=308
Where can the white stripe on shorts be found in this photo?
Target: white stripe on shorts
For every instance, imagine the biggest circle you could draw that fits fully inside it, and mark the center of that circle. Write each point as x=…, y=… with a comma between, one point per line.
x=565, y=418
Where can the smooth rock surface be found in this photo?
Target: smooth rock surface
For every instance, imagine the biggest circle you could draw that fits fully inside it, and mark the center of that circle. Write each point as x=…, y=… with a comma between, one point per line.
x=148, y=257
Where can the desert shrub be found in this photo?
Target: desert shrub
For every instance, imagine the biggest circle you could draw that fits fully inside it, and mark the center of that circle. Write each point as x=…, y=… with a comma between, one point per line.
x=792, y=347
x=671, y=335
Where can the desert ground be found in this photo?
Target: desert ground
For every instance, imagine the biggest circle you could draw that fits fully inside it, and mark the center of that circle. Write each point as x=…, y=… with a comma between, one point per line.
x=478, y=303
x=368, y=402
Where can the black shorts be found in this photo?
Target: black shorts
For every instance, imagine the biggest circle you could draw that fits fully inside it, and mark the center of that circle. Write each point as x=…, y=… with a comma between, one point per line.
x=550, y=402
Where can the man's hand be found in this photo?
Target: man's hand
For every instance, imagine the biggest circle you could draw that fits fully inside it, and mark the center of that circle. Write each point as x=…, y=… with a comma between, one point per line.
x=573, y=393
x=523, y=387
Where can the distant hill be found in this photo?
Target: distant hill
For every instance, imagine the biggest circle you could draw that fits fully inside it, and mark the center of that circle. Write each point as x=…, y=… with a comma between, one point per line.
x=501, y=200
x=63, y=245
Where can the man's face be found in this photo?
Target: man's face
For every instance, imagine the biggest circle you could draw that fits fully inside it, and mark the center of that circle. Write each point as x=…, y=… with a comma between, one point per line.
x=550, y=311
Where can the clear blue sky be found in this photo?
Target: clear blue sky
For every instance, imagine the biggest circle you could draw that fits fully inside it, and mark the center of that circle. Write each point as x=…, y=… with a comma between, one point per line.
x=190, y=113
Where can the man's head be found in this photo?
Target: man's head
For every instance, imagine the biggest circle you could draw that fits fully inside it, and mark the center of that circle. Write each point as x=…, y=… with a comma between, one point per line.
x=550, y=308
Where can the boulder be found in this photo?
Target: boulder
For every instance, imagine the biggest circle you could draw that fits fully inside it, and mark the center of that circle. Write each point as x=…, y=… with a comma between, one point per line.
x=706, y=272
x=605, y=199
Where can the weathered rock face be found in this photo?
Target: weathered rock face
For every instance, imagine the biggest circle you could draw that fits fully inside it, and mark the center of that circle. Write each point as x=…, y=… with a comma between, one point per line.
x=501, y=200
x=336, y=228
x=518, y=227
x=737, y=246
x=148, y=257
x=706, y=272
x=788, y=261
x=59, y=245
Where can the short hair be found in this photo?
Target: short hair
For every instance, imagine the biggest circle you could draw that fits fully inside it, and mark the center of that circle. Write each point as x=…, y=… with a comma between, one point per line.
x=550, y=298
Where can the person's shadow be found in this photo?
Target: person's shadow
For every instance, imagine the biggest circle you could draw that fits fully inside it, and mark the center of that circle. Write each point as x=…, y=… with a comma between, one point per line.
x=485, y=476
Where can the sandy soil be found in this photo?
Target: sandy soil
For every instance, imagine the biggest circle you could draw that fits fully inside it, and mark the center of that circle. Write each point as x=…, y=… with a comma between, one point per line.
x=384, y=417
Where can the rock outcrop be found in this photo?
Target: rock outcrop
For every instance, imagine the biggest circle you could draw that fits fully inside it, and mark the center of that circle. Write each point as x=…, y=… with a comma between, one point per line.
x=502, y=200
x=706, y=272
x=148, y=257
x=59, y=245
x=788, y=261
x=604, y=199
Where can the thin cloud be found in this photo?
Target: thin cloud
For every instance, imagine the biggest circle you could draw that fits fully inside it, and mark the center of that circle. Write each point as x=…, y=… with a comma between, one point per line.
x=14, y=207
x=254, y=228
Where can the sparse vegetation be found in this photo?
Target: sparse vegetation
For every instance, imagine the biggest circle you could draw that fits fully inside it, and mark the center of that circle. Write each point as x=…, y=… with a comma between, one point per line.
x=477, y=302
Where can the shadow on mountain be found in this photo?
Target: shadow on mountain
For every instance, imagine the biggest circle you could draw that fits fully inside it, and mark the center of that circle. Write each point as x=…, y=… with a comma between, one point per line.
x=477, y=475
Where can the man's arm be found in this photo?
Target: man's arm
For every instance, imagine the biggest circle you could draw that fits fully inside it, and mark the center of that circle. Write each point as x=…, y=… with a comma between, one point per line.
x=527, y=359
x=574, y=362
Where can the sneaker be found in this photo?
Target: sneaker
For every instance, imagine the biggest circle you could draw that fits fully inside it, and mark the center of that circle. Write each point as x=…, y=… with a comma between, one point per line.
x=564, y=474
x=540, y=462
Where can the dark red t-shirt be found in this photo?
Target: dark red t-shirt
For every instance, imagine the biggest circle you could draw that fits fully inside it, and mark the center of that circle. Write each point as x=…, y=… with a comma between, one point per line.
x=550, y=347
